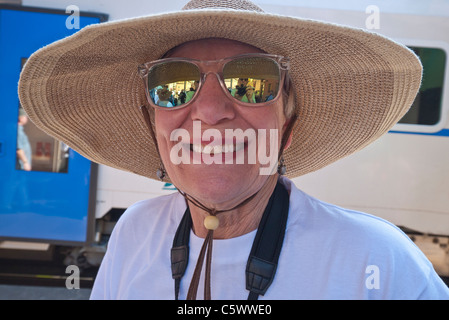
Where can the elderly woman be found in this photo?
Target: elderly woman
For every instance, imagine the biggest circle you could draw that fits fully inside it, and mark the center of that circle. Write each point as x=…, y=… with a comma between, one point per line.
x=238, y=228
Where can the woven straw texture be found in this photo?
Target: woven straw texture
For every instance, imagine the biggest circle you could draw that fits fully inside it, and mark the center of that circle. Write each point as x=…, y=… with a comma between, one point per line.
x=351, y=86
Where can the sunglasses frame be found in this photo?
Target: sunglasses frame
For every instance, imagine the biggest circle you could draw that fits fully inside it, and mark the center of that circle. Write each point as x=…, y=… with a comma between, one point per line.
x=207, y=67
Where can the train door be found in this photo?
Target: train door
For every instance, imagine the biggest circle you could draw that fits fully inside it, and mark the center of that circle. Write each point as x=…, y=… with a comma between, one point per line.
x=44, y=185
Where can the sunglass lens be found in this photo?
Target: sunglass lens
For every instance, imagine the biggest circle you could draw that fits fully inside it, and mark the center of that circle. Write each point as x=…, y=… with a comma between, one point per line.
x=173, y=83
x=252, y=79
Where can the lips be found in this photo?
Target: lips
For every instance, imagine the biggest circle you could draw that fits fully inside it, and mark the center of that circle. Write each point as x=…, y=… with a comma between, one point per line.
x=216, y=149
x=213, y=146
x=237, y=147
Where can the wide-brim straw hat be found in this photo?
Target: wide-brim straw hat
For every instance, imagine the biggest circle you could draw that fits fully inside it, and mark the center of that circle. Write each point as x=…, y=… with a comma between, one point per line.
x=351, y=86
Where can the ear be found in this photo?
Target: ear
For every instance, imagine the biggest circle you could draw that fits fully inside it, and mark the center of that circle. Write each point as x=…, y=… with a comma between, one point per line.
x=289, y=139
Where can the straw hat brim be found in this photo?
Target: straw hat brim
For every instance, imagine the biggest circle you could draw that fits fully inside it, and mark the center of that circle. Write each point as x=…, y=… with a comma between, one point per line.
x=351, y=86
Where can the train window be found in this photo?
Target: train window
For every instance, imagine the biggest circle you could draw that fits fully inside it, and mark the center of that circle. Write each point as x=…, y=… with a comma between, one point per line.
x=37, y=151
x=426, y=109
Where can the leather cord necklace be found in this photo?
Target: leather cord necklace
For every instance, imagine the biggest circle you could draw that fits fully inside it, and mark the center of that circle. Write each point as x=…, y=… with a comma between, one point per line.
x=262, y=261
x=211, y=223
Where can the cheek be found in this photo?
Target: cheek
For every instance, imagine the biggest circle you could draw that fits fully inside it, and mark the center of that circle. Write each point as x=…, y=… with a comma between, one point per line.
x=168, y=121
x=266, y=118
x=269, y=122
x=162, y=126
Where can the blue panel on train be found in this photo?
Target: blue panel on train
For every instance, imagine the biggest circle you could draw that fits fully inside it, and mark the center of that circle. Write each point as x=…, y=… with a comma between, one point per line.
x=44, y=185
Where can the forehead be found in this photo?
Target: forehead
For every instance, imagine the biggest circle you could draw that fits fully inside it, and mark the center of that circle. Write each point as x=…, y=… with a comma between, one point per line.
x=211, y=49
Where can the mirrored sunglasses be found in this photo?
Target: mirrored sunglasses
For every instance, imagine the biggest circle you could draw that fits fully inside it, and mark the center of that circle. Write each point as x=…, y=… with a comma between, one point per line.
x=249, y=79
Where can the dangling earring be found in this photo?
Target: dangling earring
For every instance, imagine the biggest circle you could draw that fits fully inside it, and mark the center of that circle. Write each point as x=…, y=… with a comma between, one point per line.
x=281, y=167
x=161, y=173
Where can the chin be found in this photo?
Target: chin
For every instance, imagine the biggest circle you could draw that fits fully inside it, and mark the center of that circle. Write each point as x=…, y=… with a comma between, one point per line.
x=213, y=185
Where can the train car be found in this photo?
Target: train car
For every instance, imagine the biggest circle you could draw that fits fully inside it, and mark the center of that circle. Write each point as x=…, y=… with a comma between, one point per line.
x=65, y=201
x=404, y=176
x=47, y=190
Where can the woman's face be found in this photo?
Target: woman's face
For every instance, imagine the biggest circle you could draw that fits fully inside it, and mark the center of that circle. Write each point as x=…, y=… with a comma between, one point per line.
x=227, y=184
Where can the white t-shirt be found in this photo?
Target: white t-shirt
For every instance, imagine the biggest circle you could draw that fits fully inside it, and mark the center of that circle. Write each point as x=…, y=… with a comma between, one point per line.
x=328, y=253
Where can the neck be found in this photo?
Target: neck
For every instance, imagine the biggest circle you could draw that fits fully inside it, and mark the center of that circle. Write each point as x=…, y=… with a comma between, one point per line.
x=239, y=221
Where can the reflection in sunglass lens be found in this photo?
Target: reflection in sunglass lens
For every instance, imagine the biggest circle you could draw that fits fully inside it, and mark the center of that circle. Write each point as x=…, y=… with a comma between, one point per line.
x=252, y=79
x=248, y=79
x=173, y=83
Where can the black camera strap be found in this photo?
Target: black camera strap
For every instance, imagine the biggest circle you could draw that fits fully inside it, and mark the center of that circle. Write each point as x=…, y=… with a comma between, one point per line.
x=263, y=259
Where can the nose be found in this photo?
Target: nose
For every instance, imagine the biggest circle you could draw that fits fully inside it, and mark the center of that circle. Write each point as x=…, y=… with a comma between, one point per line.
x=212, y=106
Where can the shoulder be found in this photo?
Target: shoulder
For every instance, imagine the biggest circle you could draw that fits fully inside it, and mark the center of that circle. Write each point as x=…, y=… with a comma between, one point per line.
x=354, y=243
x=155, y=214
x=343, y=223
x=145, y=228
x=145, y=223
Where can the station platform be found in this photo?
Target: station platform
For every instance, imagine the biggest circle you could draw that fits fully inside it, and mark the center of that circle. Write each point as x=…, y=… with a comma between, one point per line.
x=22, y=292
